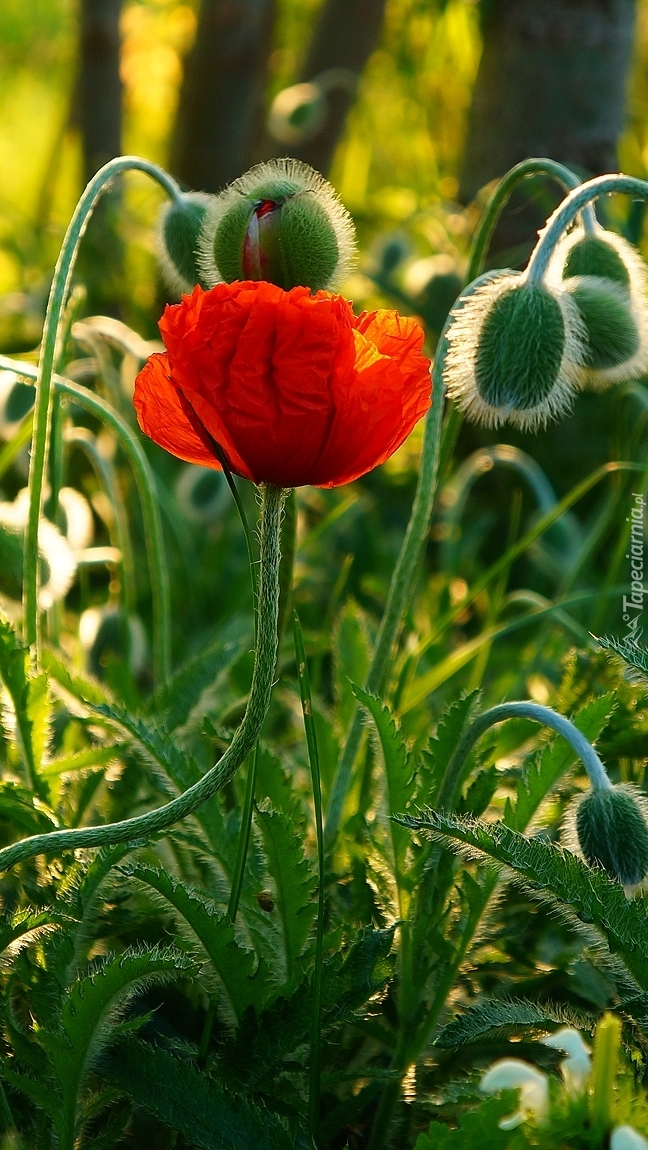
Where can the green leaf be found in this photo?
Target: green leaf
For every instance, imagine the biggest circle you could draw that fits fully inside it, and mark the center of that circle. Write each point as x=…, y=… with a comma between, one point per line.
x=634, y=657
x=29, y=924
x=399, y=772
x=245, y=981
x=81, y=687
x=89, y=1017
x=256, y=1054
x=351, y=657
x=94, y=758
x=156, y=743
x=544, y=770
x=435, y=760
x=478, y=1129
x=197, y=1106
x=30, y=699
x=175, y=700
x=556, y=875
x=293, y=879
x=507, y=1014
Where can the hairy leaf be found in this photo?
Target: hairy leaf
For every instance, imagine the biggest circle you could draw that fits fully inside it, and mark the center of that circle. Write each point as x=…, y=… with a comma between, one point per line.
x=555, y=874
x=507, y=1014
x=197, y=1106
x=175, y=700
x=89, y=1020
x=293, y=878
x=435, y=760
x=30, y=699
x=245, y=981
x=351, y=655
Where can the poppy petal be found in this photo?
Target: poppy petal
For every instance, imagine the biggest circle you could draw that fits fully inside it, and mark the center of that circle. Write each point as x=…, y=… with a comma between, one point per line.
x=164, y=417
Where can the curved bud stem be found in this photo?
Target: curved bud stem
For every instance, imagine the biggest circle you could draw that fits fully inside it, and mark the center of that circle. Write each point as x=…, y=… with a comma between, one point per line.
x=244, y=739
x=153, y=537
x=493, y=210
x=523, y=710
x=49, y=352
x=566, y=213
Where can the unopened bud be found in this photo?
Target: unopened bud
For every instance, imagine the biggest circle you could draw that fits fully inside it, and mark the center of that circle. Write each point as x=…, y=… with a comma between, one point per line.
x=515, y=352
x=610, y=830
x=281, y=222
x=179, y=226
x=612, y=336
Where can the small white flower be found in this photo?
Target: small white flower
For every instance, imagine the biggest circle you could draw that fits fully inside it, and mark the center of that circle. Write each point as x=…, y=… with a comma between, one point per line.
x=514, y=1074
x=625, y=1138
x=577, y=1067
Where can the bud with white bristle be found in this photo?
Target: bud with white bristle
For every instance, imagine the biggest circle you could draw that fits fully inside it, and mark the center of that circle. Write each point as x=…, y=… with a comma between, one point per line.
x=608, y=827
x=281, y=222
x=179, y=227
x=607, y=279
x=515, y=352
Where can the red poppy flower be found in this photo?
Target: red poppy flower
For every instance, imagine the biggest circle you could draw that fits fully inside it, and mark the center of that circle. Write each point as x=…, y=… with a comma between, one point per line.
x=292, y=386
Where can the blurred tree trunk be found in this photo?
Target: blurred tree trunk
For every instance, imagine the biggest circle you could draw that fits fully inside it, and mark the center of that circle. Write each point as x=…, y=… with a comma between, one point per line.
x=345, y=35
x=222, y=92
x=551, y=82
x=99, y=92
x=97, y=112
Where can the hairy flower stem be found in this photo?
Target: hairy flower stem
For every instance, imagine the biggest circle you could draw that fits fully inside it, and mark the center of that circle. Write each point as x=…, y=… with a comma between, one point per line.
x=49, y=351
x=569, y=209
x=142, y=826
x=451, y=780
x=500, y=197
x=154, y=540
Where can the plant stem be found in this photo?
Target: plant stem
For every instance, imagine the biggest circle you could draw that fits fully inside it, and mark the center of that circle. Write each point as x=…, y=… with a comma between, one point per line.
x=399, y=591
x=493, y=210
x=143, y=826
x=566, y=213
x=523, y=710
x=244, y=836
x=154, y=538
x=49, y=351
x=313, y=757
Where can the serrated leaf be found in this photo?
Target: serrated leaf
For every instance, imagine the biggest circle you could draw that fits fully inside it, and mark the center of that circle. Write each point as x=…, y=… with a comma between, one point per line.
x=30, y=700
x=557, y=875
x=175, y=700
x=197, y=1106
x=450, y=728
x=507, y=1014
x=81, y=687
x=351, y=658
x=293, y=879
x=175, y=765
x=634, y=656
x=399, y=773
x=246, y=981
x=273, y=782
x=87, y=1020
x=94, y=758
x=254, y=1056
x=478, y=1129
x=28, y=924
x=543, y=771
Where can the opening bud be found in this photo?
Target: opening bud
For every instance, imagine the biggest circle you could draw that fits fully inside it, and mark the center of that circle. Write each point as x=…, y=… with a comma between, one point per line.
x=609, y=827
x=281, y=222
x=515, y=351
x=179, y=226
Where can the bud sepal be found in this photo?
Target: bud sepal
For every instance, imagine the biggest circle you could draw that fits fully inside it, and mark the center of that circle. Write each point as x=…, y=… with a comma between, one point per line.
x=179, y=226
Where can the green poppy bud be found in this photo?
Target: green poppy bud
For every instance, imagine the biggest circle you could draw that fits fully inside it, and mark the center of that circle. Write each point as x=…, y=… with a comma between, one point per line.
x=281, y=222
x=617, y=327
x=609, y=828
x=515, y=349
x=297, y=113
x=615, y=343
x=179, y=226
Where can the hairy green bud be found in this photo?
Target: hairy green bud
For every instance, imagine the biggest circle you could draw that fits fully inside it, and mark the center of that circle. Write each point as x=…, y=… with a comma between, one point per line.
x=595, y=256
x=179, y=226
x=281, y=222
x=515, y=352
x=610, y=828
x=612, y=336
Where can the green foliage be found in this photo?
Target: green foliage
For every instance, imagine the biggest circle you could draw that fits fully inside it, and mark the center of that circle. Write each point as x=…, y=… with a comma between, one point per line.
x=197, y=1106
x=478, y=1129
x=293, y=878
x=506, y=1015
x=244, y=980
x=29, y=696
x=557, y=875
